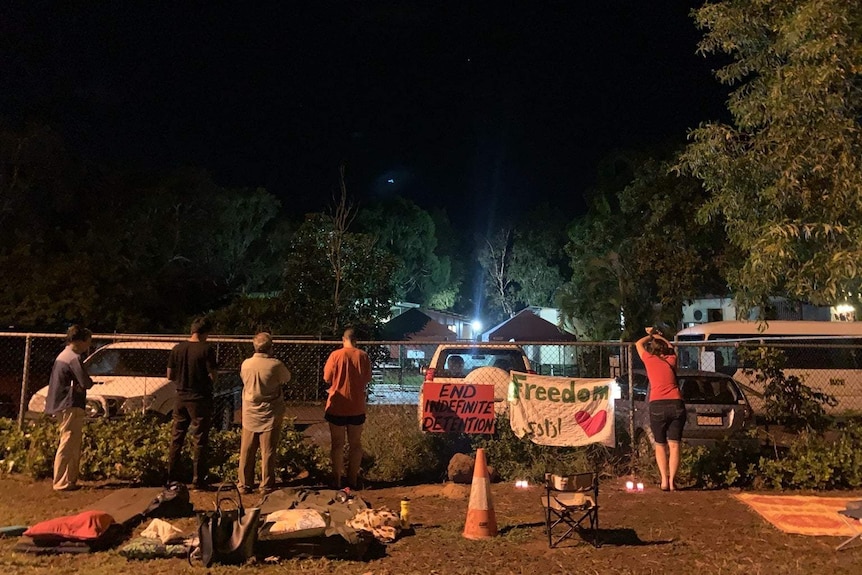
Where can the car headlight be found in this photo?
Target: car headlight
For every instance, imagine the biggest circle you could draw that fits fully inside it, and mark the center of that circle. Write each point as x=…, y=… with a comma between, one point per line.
x=139, y=404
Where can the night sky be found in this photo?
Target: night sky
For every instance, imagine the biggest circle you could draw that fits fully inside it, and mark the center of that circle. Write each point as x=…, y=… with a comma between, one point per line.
x=478, y=107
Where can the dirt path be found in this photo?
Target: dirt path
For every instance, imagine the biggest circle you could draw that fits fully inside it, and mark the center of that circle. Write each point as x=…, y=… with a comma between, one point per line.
x=651, y=532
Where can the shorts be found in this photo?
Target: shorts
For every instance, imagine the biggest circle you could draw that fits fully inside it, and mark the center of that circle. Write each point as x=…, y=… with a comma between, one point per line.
x=667, y=419
x=344, y=420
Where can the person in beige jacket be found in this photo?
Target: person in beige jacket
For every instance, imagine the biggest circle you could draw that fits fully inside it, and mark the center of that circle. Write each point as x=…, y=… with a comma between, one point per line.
x=262, y=413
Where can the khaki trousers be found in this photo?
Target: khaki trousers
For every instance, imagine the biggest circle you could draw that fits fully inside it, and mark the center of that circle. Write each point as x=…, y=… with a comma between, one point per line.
x=267, y=441
x=68, y=456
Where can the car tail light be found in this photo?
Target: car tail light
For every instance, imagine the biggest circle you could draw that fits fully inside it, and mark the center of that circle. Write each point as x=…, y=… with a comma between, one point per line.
x=429, y=374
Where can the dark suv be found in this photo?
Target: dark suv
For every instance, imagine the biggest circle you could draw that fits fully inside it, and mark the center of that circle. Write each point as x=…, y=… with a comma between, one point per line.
x=715, y=405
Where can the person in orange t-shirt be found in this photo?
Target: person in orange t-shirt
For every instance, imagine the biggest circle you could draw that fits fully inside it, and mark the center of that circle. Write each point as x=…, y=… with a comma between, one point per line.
x=348, y=372
x=666, y=407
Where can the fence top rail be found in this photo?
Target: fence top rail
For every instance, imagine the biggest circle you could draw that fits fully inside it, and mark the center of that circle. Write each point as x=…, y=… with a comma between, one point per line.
x=776, y=344
x=160, y=337
x=300, y=340
x=317, y=341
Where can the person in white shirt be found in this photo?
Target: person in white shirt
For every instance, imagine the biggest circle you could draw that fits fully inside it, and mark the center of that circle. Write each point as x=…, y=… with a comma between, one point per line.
x=262, y=413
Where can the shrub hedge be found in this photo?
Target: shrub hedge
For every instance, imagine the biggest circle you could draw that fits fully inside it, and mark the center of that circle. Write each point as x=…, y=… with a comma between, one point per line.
x=141, y=456
x=399, y=452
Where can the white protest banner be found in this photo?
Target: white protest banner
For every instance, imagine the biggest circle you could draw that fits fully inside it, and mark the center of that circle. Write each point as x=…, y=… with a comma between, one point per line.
x=561, y=411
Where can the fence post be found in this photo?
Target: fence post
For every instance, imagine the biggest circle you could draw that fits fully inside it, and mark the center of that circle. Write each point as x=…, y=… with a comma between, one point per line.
x=25, y=380
x=631, y=377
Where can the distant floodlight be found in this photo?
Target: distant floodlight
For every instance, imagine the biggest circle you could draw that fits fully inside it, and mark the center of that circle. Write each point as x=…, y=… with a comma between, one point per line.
x=476, y=325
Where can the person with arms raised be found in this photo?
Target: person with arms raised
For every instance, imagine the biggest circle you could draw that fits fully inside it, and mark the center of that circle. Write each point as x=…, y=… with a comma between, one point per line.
x=666, y=407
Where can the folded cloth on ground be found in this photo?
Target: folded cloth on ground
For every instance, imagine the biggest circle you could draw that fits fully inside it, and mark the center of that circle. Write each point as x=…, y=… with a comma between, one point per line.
x=336, y=505
x=383, y=523
x=149, y=548
x=12, y=531
x=163, y=531
x=295, y=524
x=58, y=546
x=126, y=505
x=85, y=526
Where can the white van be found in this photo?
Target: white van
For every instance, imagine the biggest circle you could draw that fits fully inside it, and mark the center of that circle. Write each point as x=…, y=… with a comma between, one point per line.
x=826, y=355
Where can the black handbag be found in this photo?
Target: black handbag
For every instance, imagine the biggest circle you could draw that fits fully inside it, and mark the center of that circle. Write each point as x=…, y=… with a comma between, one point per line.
x=228, y=535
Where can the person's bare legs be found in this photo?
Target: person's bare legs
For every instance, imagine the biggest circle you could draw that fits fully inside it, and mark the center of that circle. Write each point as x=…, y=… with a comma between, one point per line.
x=673, y=447
x=661, y=459
x=354, y=457
x=336, y=453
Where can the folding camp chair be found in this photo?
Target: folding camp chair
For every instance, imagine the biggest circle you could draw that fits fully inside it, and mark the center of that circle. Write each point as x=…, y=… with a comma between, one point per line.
x=852, y=516
x=571, y=504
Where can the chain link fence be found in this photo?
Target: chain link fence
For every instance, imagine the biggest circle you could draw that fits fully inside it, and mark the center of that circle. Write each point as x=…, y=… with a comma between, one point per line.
x=131, y=374
x=130, y=371
x=831, y=368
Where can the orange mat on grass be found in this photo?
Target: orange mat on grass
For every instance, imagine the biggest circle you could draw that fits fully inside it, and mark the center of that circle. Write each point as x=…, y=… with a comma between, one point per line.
x=801, y=514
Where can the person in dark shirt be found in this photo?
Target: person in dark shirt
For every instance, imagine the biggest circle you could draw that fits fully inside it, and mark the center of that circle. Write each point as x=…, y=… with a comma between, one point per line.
x=67, y=397
x=192, y=368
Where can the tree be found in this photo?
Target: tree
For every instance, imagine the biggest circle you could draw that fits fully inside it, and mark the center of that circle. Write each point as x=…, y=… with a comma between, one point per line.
x=309, y=302
x=603, y=296
x=409, y=233
x=177, y=246
x=48, y=278
x=89, y=245
x=523, y=262
x=639, y=253
x=450, y=252
x=239, y=241
x=538, y=259
x=785, y=179
x=672, y=252
x=495, y=257
x=335, y=277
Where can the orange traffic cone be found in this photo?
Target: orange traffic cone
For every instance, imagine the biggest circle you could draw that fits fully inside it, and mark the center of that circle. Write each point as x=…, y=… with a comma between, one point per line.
x=481, y=519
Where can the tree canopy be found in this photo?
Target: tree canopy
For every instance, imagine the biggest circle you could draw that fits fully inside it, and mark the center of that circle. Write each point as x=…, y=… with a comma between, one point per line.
x=785, y=179
x=639, y=253
x=523, y=262
x=121, y=252
x=423, y=274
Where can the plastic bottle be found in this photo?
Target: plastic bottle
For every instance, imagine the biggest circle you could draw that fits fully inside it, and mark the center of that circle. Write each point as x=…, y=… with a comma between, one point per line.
x=405, y=513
